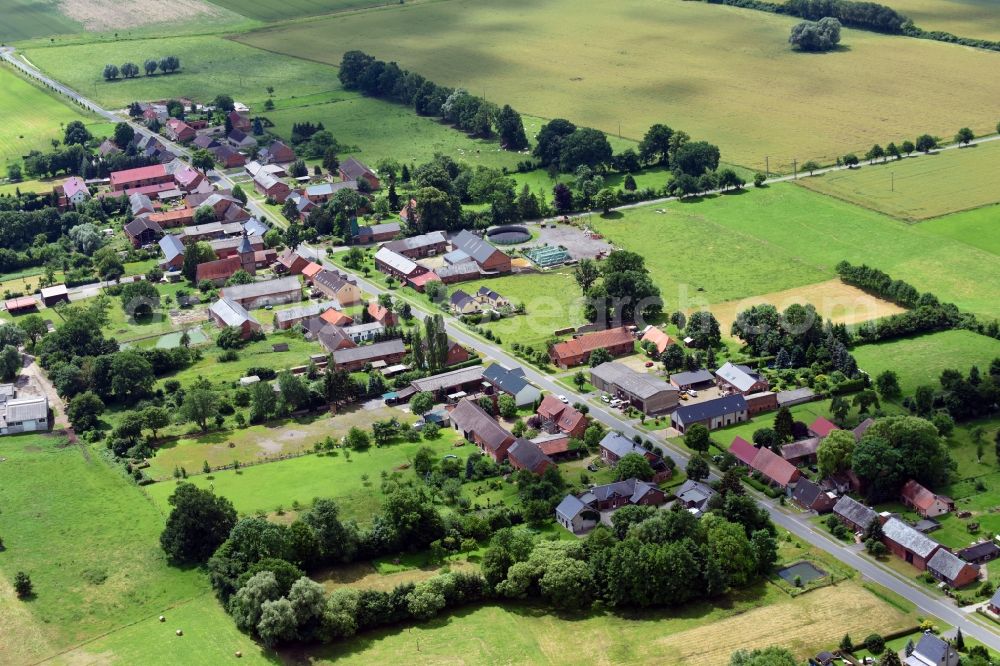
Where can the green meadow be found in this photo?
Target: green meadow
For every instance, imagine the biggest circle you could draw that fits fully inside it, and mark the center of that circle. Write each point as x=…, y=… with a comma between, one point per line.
x=978, y=228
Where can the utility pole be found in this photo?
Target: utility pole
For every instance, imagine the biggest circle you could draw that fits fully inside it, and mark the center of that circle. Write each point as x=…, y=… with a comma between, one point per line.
x=892, y=175
x=795, y=170
x=619, y=129
x=767, y=166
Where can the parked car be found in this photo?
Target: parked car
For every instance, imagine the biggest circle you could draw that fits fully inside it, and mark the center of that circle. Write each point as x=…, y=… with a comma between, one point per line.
x=692, y=393
x=605, y=398
x=649, y=364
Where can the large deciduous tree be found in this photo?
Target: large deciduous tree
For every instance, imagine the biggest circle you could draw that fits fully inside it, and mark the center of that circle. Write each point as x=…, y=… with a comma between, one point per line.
x=198, y=524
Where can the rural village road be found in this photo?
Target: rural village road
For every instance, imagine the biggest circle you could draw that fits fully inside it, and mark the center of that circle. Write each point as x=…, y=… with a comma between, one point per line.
x=971, y=624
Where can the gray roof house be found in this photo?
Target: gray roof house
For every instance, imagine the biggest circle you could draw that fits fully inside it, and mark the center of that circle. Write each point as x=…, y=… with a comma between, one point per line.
x=574, y=515
x=694, y=496
x=512, y=382
x=853, y=513
x=932, y=651
x=898, y=532
x=711, y=413
x=644, y=390
x=397, y=262
x=172, y=248
x=951, y=569
x=231, y=313
x=692, y=379
x=795, y=396
x=266, y=292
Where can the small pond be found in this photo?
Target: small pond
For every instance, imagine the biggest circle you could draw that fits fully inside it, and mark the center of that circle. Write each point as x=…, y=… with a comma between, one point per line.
x=804, y=571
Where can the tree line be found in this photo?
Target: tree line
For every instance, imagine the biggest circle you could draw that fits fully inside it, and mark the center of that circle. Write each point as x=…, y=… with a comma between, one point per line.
x=130, y=70
x=475, y=115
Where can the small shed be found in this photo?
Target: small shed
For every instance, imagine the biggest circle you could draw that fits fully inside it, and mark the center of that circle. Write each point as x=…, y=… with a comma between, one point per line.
x=54, y=295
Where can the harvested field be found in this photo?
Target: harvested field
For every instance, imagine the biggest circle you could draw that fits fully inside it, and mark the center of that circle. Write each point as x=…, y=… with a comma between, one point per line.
x=832, y=299
x=105, y=15
x=720, y=73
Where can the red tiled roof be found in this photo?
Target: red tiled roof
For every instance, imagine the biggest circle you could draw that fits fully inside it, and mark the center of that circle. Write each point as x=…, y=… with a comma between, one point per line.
x=550, y=407
x=20, y=303
x=551, y=447
x=822, y=427
x=659, y=338
x=917, y=495
x=311, y=269
x=336, y=318
x=774, y=467
x=588, y=342
x=378, y=312
x=141, y=173
x=564, y=416
x=172, y=216
x=744, y=451
x=218, y=269
x=423, y=279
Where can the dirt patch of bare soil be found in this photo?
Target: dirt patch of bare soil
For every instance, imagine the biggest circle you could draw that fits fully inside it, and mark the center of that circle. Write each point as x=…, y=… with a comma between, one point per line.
x=107, y=15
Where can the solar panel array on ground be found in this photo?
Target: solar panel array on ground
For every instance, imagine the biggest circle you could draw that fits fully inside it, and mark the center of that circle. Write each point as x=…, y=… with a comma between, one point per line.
x=548, y=256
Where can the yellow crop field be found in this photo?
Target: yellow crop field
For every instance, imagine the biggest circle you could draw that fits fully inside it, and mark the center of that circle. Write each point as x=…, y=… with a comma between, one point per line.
x=720, y=73
x=922, y=188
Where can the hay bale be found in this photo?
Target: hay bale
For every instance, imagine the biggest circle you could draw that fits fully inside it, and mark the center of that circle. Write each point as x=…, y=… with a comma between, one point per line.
x=163, y=619
x=179, y=632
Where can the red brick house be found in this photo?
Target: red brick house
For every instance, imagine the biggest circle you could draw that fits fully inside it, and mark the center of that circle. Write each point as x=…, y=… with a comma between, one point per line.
x=811, y=497
x=397, y=265
x=140, y=177
x=272, y=187
x=178, y=130
x=381, y=314
x=418, y=247
x=225, y=313
x=456, y=354
x=556, y=415
x=525, y=454
x=618, y=342
x=908, y=544
x=142, y=231
x=620, y=493
x=277, y=152
x=924, y=502
x=488, y=257
x=765, y=401
x=854, y=514
x=291, y=262
x=168, y=219
x=952, y=570
x=616, y=446
x=658, y=337
x=775, y=469
x=353, y=169
x=240, y=120
x=482, y=430
x=822, y=427
x=390, y=351
x=733, y=378
x=743, y=451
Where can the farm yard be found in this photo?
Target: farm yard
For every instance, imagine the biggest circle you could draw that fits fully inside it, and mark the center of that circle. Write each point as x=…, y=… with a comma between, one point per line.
x=32, y=117
x=917, y=189
x=695, y=66
x=784, y=236
x=921, y=359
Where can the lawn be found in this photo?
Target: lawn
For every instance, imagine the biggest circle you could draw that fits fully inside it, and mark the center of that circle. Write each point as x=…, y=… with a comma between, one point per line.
x=720, y=73
x=920, y=360
x=919, y=188
x=32, y=117
x=259, y=442
x=977, y=228
x=765, y=240
x=269, y=486
x=209, y=66
x=89, y=540
x=696, y=634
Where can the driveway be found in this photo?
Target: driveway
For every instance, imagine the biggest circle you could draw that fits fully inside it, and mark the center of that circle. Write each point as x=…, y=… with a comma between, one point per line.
x=38, y=383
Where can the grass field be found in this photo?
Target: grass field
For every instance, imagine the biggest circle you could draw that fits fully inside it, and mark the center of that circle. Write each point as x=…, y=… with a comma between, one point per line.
x=723, y=74
x=977, y=228
x=280, y=10
x=696, y=634
x=278, y=484
x=765, y=240
x=918, y=189
x=920, y=360
x=965, y=18
x=89, y=540
x=254, y=443
x=24, y=19
x=209, y=66
x=32, y=117
x=255, y=354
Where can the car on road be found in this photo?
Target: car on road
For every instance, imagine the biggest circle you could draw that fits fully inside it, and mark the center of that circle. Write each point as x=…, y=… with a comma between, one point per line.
x=563, y=399
x=649, y=364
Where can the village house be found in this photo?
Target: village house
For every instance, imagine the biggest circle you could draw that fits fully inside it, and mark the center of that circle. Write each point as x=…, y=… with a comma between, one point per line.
x=611, y=496
x=616, y=446
x=225, y=312
x=576, y=516
x=142, y=231
x=801, y=452
x=311, y=270
x=732, y=378
x=453, y=273
x=491, y=299
x=173, y=253
x=352, y=360
x=290, y=262
x=490, y=259
x=397, y=265
x=980, y=553
x=24, y=414
x=228, y=247
x=932, y=651
x=269, y=186
x=419, y=247
x=855, y=515
x=644, y=391
x=449, y=386
x=713, y=414
x=354, y=169
x=140, y=204
x=21, y=305
x=253, y=167
x=482, y=430
x=525, y=454
x=205, y=141
x=764, y=401
x=73, y=192
x=693, y=380
x=147, y=175
x=178, y=130
x=366, y=332
x=336, y=318
x=558, y=416
x=907, y=543
x=822, y=427
x=277, y=152
x=512, y=382
x=169, y=219
x=617, y=341
x=270, y=292
x=776, y=470
x=239, y=120
x=743, y=451
x=862, y=428
x=228, y=157
x=695, y=496
x=376, y=233
x=811, y=497
x=924, y=502
x=240, y=140
x=337, y=286
x=210, y=231
x=381, y=314
x=952, y=570
x=244, y=258
x=462, y=303
x=286, y=319
x=658, y=337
